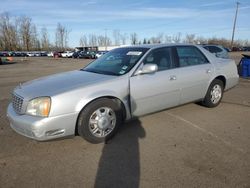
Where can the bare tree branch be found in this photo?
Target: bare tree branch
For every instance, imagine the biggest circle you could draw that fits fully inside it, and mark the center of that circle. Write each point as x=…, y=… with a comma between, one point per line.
x=62, y=35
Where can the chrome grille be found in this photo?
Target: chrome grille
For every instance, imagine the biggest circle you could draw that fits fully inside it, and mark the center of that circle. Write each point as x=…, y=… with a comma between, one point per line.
x=17, y=103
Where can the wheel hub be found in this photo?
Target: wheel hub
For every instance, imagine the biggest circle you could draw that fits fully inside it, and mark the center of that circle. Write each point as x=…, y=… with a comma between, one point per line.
x=102, y=122
x=216, y=94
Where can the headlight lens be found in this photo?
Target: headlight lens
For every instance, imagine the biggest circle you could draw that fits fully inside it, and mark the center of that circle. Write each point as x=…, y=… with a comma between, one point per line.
x=39, y=107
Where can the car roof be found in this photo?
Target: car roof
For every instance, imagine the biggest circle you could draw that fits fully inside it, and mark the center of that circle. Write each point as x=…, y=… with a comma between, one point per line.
x=212, y=45
x=151, y=46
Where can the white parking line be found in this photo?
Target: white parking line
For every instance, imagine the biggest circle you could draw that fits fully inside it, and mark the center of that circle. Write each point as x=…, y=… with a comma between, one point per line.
x=205, y=131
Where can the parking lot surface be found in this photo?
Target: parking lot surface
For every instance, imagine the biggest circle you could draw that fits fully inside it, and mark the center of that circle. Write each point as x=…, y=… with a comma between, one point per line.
x=186, y=146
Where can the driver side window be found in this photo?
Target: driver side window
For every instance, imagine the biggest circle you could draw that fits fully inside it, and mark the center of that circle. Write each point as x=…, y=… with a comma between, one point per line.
x=161, y=57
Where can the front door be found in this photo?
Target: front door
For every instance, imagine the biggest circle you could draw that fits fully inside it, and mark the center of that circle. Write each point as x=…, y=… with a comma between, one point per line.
x=156, y=91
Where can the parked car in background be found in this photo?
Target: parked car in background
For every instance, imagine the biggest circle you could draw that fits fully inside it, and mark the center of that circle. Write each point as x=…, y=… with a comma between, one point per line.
x=67, y=54
x=100, y=53
x=4, y=54
x=235, y=49
x=43, y=54
x=76, y=54
x=30, y=54
x=217, y=50
x=12, y=54
x=57, y=54
x=17, y=54
x=246, y=48
x=36, y=54
x=122, y=84
x=50, y=54
x=1, y=54
x=88, y=54
x=24, y=54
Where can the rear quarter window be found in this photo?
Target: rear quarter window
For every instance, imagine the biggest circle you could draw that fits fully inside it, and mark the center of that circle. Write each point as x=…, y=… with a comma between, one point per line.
x=214, y=49
x=190, y=55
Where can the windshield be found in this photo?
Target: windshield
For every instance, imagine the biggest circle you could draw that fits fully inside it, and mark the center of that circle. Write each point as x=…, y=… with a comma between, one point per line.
x=116, y=62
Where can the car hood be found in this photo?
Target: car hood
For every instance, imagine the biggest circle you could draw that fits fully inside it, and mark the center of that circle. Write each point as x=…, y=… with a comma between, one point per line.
x=59, y=83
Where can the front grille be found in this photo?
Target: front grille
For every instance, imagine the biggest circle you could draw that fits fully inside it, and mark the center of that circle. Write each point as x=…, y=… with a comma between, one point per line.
x=17, y=103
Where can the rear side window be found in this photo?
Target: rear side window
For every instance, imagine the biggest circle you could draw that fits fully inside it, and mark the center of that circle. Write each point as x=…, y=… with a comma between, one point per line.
x=190, y=55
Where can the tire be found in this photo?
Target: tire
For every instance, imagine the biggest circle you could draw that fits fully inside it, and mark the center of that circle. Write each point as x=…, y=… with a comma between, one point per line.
x=214, y=94
x=99, y=121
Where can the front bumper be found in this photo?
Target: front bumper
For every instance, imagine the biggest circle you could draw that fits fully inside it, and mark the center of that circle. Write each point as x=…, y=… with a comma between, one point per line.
x=40, y=128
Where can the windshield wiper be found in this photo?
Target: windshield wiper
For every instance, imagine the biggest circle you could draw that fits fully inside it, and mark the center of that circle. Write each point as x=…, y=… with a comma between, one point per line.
x=100, y=72
x=88, y=70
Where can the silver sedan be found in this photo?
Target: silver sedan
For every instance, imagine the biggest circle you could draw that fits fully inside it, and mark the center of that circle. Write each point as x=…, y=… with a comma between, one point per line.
x=122, y=84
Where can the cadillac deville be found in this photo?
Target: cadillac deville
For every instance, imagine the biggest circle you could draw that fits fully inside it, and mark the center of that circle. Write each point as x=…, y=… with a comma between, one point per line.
x=122, y=84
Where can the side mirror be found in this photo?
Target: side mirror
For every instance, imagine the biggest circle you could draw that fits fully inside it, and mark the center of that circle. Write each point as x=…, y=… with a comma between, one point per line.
x=147, y=69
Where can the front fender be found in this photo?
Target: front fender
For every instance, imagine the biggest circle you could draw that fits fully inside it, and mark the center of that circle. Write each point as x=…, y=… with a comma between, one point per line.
x=104, y=94
x=75, y=100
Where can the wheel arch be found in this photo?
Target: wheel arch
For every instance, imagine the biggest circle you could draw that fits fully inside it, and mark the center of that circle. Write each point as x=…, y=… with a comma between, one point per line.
x=117, y=100
x=222, y=78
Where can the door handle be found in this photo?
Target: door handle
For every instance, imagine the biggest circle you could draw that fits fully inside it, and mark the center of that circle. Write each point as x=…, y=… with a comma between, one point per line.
x=172, y=78
x=208, y=71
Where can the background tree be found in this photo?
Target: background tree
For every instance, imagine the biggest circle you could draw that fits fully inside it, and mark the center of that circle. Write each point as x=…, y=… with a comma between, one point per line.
x=117, y=37
x=101, y=40
x=190, y=38
x=19, y=33
x=154, y=40
x=176, y=38
x=35, y=43
x=8, y=33
x=83, y=41
x=92, y=40
x=201, y=40
x=160, y=37
x=26, y=32
x=133, y=38
x=168, y=39
x=108, y=41
x=45, y=44
x=124, y=37
x=62, y=35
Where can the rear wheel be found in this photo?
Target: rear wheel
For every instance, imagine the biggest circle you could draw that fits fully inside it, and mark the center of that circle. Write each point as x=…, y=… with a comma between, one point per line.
x=99, y=121
x=214, y=94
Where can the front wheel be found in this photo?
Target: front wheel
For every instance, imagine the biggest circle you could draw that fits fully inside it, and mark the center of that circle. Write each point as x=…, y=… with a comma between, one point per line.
x=99, y=121
x=214, y=94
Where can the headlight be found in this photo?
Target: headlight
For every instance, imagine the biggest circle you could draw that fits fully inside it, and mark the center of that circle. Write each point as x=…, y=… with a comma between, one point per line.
x=39, y=107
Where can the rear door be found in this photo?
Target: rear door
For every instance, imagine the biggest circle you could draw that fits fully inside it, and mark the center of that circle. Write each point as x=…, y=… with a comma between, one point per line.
x=194, y=73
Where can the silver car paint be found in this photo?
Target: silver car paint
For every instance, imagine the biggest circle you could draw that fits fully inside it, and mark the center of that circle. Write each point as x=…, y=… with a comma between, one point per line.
x=36, y=127
x=70, y=92
x=161, y=94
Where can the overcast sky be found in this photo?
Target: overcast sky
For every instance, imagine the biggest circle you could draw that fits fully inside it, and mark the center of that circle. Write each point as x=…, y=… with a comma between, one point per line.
x=146, y=17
